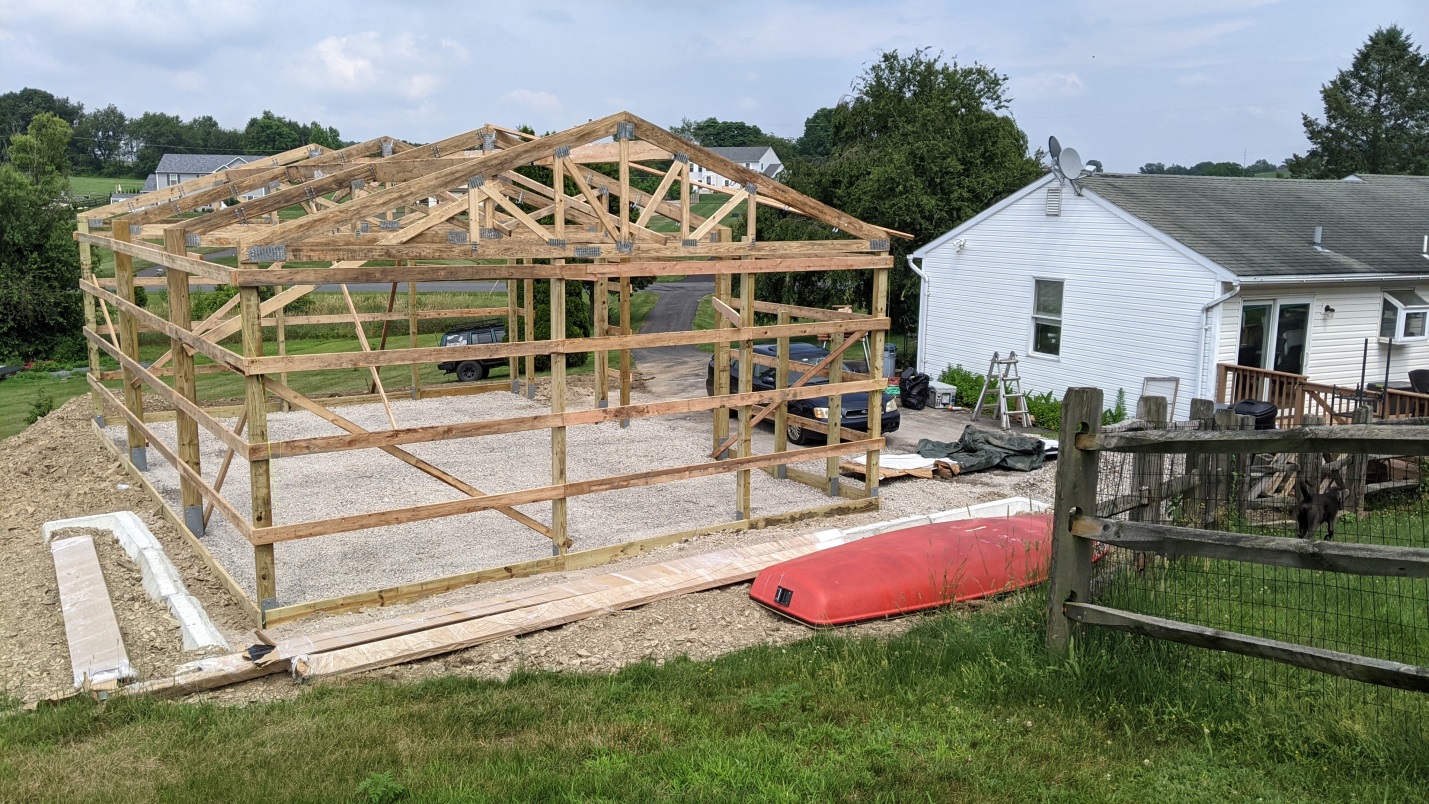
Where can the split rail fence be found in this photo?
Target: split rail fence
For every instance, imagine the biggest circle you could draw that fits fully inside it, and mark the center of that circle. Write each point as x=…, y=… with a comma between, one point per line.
x=1198, y=550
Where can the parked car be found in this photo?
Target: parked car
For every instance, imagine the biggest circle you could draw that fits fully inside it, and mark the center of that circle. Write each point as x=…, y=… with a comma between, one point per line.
x=855, y=406
x=473, y=370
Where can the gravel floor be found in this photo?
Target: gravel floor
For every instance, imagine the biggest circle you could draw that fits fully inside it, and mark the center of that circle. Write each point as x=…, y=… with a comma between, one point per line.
x=323, y=486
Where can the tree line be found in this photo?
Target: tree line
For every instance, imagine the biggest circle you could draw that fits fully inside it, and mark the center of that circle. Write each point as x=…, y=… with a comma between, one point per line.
x=108, y=142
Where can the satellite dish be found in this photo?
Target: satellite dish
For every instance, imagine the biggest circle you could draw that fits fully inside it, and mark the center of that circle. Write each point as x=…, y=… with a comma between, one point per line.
x=1070, y=162
x=1054, y=148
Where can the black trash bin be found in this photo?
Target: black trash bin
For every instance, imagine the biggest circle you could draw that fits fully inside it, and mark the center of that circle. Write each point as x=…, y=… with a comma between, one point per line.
x=1264, y=412
x=914, y=389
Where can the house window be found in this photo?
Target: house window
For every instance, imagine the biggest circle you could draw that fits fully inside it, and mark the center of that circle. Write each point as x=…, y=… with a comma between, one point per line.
x=1404, y=316
x=1274, y=334
x=1047, y=316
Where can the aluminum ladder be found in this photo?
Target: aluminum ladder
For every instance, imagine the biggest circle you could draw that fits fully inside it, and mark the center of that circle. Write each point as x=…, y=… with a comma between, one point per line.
x=1011, y=400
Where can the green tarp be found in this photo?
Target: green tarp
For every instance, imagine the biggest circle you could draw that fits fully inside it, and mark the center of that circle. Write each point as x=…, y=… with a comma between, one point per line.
x=980, y=449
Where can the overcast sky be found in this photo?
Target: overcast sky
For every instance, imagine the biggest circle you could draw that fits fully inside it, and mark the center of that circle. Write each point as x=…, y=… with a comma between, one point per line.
x=1124, y=81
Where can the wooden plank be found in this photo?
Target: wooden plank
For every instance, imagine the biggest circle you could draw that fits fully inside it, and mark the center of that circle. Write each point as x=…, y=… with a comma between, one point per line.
x=129, y=339
x=743, y=481
x=772, y=257
x=544, y=421
x=438, y=354
x=96, y=648
x=437, y=510
x=1070, y=573
x=570, y=561
x=186, y=423
x=195, y=342
x=559, y=537
x=657, y=582
x=1338, y=438
x=366, y=347
x=298, y=400
x=1143, y=496
x=120, y=244
x=1147, y=468
x=1360, y=668
x=879, y=306
x=1344, y=557
x=714, y=220
x=259, y=471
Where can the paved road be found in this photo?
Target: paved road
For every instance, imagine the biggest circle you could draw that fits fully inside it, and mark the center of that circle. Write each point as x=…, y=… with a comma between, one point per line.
x=675, y=371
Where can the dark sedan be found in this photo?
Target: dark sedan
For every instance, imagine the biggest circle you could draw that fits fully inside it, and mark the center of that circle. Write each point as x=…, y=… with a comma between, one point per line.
x=855, y=406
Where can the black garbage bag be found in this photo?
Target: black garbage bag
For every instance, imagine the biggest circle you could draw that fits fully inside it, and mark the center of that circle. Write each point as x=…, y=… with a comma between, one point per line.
x=980, y=449
x=914, y=389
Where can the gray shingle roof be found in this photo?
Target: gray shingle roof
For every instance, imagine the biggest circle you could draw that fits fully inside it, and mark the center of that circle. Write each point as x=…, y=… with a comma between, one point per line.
x=151, y=183
x=199, y=163
x=742, y=154
x=1264, y=227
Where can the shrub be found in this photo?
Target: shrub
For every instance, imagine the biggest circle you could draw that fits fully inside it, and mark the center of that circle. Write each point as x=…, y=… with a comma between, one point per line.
x=1045, y=408
x=1118, y=412
x=141, y=296
x=45, y=365
x=968, y=383
x=381, y=788
x=40, y=407
x=71, y=350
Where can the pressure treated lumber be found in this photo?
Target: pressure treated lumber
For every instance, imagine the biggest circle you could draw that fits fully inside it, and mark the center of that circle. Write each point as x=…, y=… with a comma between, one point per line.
x=1069, y=577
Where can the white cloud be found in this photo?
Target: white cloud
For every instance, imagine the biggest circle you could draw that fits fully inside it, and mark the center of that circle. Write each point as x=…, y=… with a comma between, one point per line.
x=529, y=100
x=1047, y=85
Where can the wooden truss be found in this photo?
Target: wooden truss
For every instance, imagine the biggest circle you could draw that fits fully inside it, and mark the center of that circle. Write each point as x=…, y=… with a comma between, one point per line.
x=490, y=204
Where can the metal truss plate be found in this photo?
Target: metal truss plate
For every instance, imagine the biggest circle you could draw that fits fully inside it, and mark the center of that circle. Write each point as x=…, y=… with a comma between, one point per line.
x=563, y=152
x=878, y=244
x=387, y=147
x=587, y=252
x=191, y=240
x=625, y=246
x=556, y=242
x=389, y=225
x=267, y=254
x=456, y=237
x=488, y=233
x=624, y=131
x=476, y=181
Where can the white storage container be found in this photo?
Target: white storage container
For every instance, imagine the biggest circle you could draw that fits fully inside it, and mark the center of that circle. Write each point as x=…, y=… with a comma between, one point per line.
x=944, y=395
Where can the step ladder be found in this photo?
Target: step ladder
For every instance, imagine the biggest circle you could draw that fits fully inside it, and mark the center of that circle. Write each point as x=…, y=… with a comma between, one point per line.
x=1011, y=401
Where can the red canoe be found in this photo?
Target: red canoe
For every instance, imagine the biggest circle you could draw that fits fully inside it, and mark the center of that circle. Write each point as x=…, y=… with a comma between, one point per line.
x=910, y=570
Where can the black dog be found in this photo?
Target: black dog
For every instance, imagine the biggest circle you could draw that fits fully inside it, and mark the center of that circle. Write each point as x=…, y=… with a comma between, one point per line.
x=1317, y=508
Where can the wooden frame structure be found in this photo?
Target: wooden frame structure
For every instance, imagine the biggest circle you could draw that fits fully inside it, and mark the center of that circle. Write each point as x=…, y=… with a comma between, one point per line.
x=489, y=204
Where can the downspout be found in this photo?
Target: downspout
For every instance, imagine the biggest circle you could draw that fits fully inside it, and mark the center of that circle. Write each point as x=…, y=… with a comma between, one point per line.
x=1206, y=336
x=922, y=310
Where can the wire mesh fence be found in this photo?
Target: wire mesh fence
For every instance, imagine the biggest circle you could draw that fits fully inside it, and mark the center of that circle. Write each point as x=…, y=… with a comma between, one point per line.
x=1367, y=498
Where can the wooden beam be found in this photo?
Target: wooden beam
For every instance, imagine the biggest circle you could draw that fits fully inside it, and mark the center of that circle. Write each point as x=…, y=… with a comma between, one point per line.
x=335, y=250
x=259, y=472
x=366, y=347
x=1076, y=491
x=1347, y=665
x=120, y=244
x=303, y=402
x=129, y=341
x=559, y=536
x=428, y=511
x=1370, y=438
x=154, y=322
x=437, y=354
x=714, y=220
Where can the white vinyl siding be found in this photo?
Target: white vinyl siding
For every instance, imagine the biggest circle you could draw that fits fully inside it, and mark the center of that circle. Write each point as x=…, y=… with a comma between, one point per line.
x=1131, y=304
x=1337, y=341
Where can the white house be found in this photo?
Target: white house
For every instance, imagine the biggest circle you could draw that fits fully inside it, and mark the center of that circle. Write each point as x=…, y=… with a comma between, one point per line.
x=1167, y=276
x=760, y=158
x=177, y=168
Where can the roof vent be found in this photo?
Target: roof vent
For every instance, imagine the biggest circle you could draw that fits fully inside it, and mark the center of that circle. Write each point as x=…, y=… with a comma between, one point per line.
x=1054, y=201
x=1316, y=243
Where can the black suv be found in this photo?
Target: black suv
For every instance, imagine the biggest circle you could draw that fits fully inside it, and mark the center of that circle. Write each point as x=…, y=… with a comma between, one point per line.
x=855, y=406
x=473, y=370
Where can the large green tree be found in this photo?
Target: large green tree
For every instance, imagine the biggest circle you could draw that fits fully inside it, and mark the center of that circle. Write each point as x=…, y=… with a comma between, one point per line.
x=17, y=109
x=154, y=134
x=920, y=145
x=100, y=140
x=1376, y=113
x=715, y=133
x=39, y=265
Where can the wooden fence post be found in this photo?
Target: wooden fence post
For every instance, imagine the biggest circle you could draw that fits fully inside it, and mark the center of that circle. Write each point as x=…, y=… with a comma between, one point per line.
x=1310, y=463
x=259, y=477
x=186, y=427
x=1071, y=571
x=1147, y=468
x=129, y=342
x=1240, y=474
x=1203, y=412
x=1357, y=468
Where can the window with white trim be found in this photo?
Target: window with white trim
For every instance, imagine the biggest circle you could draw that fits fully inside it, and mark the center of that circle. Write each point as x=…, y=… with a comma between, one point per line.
x=1047, y=317
x=1404, y=316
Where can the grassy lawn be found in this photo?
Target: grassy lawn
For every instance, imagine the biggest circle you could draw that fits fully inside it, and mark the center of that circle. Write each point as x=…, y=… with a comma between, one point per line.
x=703, y=205
x=963, y=707
x=20, y=393
x=102, y=185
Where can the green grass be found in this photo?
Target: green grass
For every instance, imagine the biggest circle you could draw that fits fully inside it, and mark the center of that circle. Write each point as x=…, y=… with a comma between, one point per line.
x=19, y=392
x=961, y=708
x=102, y=185
x=703, y=205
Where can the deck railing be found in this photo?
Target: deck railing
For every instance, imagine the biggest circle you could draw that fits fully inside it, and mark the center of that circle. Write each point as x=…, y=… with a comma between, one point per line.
x=1295, y=396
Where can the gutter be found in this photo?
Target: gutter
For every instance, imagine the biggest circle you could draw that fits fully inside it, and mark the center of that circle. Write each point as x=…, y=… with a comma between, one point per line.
x=1337, y=279
x=1206, y=337
x=922, y=310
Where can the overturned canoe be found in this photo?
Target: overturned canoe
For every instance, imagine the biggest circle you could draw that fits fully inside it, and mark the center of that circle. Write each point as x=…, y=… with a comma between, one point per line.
x=910, y=570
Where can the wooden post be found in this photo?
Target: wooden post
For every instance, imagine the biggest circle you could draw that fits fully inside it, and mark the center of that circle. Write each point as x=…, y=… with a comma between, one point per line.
x=879, y=308
x=1203, y=411
x=412, y=336
x=558, y=405
x=1222, y=471
x=1357, y=468
x=781, y=381
x=724, y=284
x=601, y=319
x=685, y=199
x=280, y=328
x=743, y=491
x=91, y=320
x=513, y=334
x=129, y=343
x=528, y=298
x=259, y=479
x=1147, y=468
x=1070, y=576
x=625, y=364
x=180, y=315
x=1311, y=462
x=835, y=417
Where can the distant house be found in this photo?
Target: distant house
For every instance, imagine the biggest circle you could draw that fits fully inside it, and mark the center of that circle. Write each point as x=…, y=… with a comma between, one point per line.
x=1193, y=277
x=178, y=168
x=759, y=158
